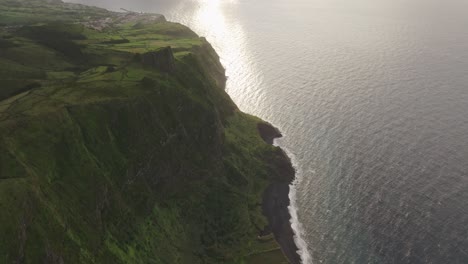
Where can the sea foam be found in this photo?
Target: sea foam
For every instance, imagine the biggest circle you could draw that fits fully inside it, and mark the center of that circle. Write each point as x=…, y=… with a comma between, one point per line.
x=303, y=251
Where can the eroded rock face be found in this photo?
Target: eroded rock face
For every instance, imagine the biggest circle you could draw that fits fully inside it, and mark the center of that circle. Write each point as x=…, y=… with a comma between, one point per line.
x=268, y=132
x=162, y=60
x=276, y=197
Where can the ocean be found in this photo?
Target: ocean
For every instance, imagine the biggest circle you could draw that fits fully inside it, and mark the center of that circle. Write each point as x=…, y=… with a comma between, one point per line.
x=372, y=97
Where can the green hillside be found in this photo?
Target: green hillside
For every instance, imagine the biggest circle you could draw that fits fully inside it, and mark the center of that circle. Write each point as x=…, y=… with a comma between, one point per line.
x=119, y=144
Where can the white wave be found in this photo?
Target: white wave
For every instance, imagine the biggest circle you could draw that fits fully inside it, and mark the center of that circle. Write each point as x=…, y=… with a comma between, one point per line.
x=303, y=251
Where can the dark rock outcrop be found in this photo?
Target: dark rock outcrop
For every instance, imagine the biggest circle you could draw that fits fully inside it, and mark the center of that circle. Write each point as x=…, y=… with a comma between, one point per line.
x=276, y=197
x=162, y=59
x=268, y=132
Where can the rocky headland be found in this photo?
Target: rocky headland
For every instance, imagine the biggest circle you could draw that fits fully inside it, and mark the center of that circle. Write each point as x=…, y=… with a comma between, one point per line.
x=119, y=145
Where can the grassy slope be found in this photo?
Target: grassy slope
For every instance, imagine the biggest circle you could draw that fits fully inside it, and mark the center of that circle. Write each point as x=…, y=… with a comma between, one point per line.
x=105, y=161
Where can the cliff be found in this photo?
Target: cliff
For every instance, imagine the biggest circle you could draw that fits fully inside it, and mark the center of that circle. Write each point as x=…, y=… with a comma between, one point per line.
x=107, y=156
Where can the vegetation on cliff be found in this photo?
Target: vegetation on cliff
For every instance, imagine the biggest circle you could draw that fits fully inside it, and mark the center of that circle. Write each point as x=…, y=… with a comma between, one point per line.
x=109, y=157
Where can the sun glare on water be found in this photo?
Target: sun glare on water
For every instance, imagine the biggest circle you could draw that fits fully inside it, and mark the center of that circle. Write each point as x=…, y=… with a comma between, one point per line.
x=214, y=20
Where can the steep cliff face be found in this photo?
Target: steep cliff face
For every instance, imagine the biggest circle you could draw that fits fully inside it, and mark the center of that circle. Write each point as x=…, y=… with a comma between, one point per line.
x=108, y=160
x=162, y=59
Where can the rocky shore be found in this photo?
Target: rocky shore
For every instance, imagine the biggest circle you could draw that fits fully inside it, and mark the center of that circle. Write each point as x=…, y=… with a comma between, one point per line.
x=276, y=197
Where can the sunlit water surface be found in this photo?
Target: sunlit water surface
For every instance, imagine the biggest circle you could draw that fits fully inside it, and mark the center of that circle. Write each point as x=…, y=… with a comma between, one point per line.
x=372, y=96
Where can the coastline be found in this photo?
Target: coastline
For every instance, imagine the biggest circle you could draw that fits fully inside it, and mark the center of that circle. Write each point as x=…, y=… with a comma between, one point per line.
x=276, y=197
x=157, y=212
